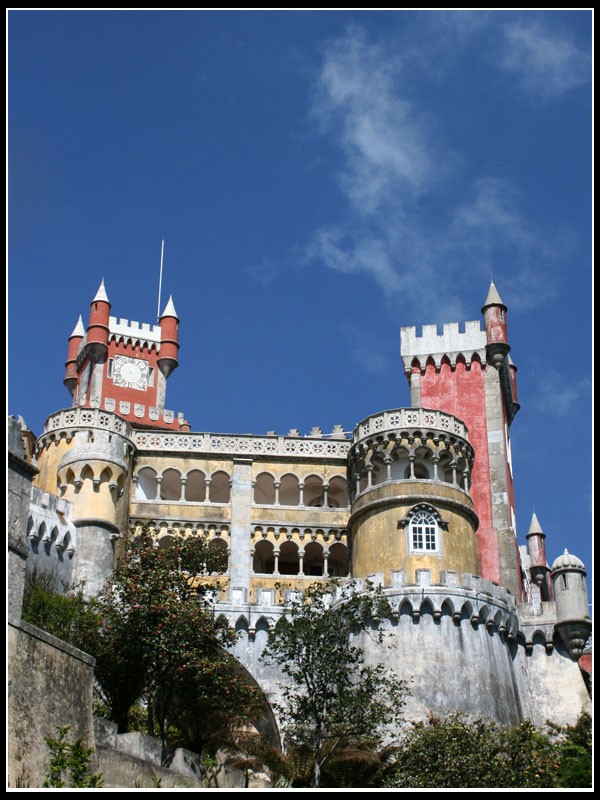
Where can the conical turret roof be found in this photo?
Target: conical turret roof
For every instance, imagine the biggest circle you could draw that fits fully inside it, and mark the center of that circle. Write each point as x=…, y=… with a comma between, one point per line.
x=78, y=330
x=169, y=309
x=101, y=294
x=534, y=526
x=493, y=298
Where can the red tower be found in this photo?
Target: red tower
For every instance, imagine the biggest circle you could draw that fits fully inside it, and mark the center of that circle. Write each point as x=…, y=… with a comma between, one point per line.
x=469, y=374
x=75, y=339
x=122, y=366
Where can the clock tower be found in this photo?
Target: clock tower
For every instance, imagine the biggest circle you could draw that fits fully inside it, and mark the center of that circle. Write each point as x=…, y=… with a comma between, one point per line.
x=122, y=366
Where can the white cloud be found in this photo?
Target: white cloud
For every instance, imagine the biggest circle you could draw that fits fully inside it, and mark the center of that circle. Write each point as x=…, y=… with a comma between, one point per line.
x=546, y=62
x=358, y=99
x=557, y=394
x=394, y=171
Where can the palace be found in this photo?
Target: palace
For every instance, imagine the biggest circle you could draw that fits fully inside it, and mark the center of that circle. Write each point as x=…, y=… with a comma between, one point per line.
x=419, y=500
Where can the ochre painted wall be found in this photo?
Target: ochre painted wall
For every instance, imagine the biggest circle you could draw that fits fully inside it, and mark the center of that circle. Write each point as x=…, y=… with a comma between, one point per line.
x=379, y=542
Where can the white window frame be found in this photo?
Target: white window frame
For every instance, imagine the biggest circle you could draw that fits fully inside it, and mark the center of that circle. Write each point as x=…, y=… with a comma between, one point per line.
x=423, y=533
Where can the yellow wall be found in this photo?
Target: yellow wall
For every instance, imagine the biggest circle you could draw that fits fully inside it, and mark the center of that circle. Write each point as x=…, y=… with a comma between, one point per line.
x=379, y=542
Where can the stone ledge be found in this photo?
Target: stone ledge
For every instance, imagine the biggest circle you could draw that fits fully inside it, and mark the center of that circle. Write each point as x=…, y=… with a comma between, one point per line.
x=53, y=641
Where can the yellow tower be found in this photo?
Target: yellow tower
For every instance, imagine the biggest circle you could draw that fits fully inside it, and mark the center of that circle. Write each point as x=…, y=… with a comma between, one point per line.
x=409, y=471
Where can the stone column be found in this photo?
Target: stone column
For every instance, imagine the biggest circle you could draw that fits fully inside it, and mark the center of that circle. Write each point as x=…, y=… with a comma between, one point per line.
x=241, y=524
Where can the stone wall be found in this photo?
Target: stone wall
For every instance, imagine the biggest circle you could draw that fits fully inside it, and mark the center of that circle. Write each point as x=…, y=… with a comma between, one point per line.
x=49, y=686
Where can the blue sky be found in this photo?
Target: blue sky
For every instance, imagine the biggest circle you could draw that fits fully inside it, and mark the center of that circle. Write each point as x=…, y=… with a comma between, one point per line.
x=321, y=179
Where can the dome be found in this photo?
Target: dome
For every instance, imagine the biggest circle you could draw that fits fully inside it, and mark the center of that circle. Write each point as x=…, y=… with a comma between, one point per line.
x=567, y=561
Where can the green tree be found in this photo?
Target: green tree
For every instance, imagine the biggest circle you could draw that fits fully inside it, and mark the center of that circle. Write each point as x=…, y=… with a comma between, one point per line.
x=60, y=609
x=159, y=640
x=573, y=748
x=332, y=697
x=455, y=752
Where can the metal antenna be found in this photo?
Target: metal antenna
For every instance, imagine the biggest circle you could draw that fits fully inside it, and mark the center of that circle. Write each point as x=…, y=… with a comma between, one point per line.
x=162, y=252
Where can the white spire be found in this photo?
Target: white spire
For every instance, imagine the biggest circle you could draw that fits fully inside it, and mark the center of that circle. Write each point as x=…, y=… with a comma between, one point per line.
x=101, y=294
x=169, y=309
x=78, y=330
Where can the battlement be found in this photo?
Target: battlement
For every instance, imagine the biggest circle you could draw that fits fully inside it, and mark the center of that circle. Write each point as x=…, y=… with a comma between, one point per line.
x=464, y=598
x=131, y=329
x=452, y=342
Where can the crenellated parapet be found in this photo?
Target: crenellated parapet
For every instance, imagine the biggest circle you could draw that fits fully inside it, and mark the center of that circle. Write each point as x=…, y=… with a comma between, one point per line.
x=452, y=345
x=462, y=598
x=140, y=335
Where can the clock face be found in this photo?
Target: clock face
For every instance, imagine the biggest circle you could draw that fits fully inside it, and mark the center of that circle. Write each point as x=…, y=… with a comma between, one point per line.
x=131, y=372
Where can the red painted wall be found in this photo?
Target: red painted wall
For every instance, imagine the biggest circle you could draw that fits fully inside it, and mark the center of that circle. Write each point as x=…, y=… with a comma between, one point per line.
x=461, y=391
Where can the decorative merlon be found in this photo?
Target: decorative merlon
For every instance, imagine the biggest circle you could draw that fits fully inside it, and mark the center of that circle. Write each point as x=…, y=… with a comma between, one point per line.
x=452, y=342
x=135, y=330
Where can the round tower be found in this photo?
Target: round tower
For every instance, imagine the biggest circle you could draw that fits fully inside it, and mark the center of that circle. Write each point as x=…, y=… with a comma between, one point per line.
x=86, y=454
x=572, y=611
x=98, y=328
x=75, y=339
x=409, y=470
x=169, y=340
x=538, y=565
x=494, y=317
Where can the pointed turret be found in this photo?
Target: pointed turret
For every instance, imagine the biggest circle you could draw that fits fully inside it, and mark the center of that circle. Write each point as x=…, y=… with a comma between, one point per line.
x=75, y=339
x=494, y=317
x=169, y=339
x=536, y=547
x=98, y=328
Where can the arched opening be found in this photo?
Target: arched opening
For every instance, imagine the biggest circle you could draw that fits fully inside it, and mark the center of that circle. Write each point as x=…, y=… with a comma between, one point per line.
x=221, y=560
x=445, y=471
x=337, y=563
x=289, y=491
x=165, y=541
x=264, y=489
x=289, y=560
x=313, y=559
x=146, y=484
x=263, y=561
x=337, y=495
x=219, y=487
x=170, y=488
x=195, y=487
x=313, y=491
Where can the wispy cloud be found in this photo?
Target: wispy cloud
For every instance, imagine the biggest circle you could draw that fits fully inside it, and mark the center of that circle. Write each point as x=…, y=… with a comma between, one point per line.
x=557, y=394
x=393, y=173
x=546, y=62
x=357, y=97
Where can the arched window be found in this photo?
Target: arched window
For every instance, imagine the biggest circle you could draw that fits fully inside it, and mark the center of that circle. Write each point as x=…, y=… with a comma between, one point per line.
x=338, y=560
x=289, y=491
x=263, y=561
x=264, y=489
x=146, y=484
x=219, y=487
x=313, y=491
x=219, y=549
x=289, y=561
x=423, y=532
x=338, y=493
x=313, y=559
x=171, y=485
x=195, y=487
